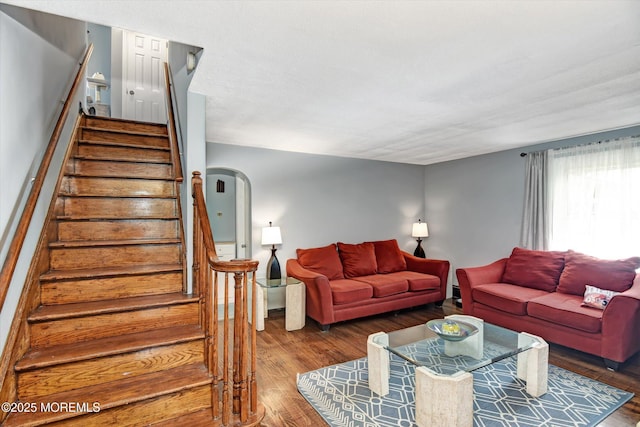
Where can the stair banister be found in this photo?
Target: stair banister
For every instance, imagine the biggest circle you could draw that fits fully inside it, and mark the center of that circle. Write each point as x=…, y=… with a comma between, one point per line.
x=11, y=260
x=173, y=119
x=238, y=404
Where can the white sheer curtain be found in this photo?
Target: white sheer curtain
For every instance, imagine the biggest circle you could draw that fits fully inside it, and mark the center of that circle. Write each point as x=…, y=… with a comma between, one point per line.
x=594, y=198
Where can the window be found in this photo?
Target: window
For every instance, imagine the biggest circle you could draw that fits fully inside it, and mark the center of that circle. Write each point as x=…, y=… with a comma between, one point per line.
x=594, y=198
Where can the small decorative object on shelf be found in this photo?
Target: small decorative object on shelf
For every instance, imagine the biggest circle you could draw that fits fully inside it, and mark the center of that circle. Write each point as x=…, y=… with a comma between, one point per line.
x=419, y=230
x=271, y=236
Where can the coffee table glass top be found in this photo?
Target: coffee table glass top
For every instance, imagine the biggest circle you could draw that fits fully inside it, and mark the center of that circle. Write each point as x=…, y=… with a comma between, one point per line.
x=422, y=347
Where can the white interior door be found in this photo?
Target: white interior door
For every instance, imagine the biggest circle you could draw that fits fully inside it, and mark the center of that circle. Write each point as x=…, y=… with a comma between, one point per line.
x=143, y=78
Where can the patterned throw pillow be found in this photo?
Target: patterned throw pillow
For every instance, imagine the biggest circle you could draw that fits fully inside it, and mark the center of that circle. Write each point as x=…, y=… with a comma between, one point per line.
x=597, y=298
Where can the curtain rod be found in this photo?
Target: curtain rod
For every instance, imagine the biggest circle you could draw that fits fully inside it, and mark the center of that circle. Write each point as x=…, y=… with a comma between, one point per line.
x=524, y=154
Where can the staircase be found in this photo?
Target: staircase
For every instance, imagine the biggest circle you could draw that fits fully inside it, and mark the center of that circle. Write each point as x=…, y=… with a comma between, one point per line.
x=114, y=339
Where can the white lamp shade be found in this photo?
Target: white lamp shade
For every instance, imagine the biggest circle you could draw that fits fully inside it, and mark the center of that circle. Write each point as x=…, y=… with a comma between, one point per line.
x=271, y=236
x=420, y=229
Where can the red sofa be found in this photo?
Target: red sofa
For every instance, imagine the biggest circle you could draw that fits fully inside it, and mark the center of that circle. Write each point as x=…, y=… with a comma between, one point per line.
x=347, y=281
x=554, y=295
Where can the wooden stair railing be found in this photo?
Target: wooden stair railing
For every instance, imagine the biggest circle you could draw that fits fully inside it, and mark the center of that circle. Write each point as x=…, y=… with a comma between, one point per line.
x=9, y=266
x=173, y=134
x=234, y=399
x=176, y=157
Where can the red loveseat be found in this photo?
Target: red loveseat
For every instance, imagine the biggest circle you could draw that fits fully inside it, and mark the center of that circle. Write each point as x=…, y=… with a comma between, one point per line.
x=347, y=281
x=554, y=295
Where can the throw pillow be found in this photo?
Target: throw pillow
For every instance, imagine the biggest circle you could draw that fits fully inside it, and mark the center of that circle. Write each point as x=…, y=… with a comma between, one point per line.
x=357, y=260
x=597, y=298
x=534, y=269
x=324, y=260
x=611, y=275
x=389, y=256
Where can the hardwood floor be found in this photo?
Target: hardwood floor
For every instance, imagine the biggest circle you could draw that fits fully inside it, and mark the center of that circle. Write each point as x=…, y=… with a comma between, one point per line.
x=282, y=354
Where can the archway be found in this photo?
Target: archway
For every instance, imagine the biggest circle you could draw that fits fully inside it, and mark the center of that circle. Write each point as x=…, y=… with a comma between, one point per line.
x=228, y=195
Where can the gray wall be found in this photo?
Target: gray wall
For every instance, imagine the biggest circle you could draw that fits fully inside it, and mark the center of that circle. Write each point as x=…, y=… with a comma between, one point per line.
x=474, y=205
x=221, y=207
x=100, y=61
x=317, y=200
x=38, y=58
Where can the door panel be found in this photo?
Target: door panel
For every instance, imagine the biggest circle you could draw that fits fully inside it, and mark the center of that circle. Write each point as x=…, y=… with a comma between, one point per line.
x=143, y=76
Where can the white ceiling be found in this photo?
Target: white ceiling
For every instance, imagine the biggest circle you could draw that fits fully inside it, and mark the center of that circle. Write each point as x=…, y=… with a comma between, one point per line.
x=403, y=81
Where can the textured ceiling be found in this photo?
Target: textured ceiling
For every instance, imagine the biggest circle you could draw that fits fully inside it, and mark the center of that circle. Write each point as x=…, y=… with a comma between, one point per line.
x=413, y=82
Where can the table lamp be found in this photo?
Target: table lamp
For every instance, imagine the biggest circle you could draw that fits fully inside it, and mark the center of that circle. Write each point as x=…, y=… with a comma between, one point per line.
x=271, y=236
x=419, y=230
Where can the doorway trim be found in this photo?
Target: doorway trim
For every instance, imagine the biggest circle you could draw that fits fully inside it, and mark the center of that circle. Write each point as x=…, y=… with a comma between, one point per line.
x=243, y=208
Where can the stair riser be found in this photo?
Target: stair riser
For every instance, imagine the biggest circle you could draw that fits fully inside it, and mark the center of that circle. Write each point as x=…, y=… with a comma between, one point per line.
x=69, y=376
x=95, y=289
x=93, y=257
x=66, y=331
x=104, y=152
x=96, y=122
x=147, y=412
x=125, y=138
x=115, y=168
x=117, y=187
x=117, y=208
x=115, y=229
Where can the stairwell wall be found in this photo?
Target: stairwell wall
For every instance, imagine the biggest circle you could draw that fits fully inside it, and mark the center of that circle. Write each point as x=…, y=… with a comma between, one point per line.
x=38, y=57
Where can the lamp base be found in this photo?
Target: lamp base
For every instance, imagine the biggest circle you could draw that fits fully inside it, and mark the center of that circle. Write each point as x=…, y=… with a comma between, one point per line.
x=273, y=267
x=419, y=252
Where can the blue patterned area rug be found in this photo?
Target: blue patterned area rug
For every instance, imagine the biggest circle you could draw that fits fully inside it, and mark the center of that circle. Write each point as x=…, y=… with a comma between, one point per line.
x=341, y=395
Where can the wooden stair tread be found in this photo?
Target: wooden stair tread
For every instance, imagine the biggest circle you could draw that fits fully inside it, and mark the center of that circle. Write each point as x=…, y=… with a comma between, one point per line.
x=125, y=131
x=123, y=144
x=87, y=273
x=66, y=311
x=124, y=196
x=88, y=157
x=113, y=120
x=120, y=218
x=131, y=177
x=116, y=393
x=123, y=242
x=101, y=347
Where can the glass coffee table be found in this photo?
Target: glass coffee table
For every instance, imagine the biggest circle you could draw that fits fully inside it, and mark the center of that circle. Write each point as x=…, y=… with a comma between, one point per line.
x=444, y=383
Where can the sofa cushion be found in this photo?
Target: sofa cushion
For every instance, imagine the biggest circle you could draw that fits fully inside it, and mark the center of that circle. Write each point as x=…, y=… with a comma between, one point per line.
x=385, y=284
x=418, y=281
x=581, y=270
x=565, y=310
x=389, y=256
x=357, y=260
x=534, y=269
x=345, y=291
x=324, y=260
x=506, y=297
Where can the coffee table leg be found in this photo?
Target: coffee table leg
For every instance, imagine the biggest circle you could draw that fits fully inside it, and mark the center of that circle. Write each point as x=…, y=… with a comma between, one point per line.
x=378, y=362
x=533, y=364
x=472, y=346
x=261, y=307
x=295, y=306
x=443, y=400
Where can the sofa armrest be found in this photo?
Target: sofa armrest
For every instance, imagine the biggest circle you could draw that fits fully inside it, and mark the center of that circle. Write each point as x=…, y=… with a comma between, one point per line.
x=474, y=276
x=435, y=267
x=319, y=302
x=621, y=324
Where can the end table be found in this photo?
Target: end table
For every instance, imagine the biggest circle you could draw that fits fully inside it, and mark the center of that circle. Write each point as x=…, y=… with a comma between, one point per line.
x=294, y=304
